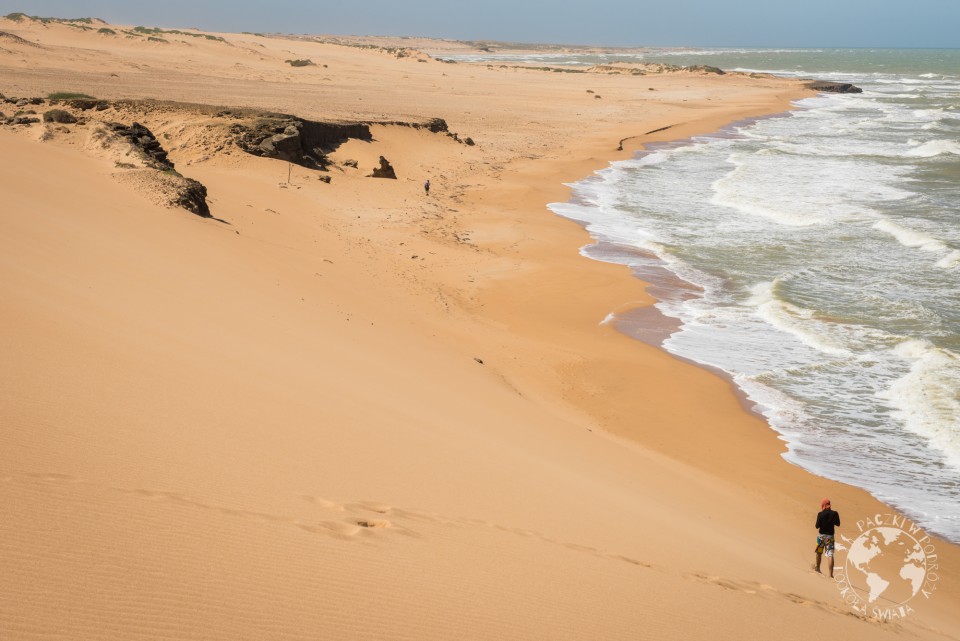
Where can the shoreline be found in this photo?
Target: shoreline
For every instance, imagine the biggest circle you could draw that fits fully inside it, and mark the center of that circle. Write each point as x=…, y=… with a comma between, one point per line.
x=357, y=409
x=856, y=499
x=646, y=323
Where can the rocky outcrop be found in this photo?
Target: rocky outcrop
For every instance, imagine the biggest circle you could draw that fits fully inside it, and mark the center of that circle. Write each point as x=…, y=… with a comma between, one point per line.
x=21, y=102
x=385, y=170
x=59, y=115
x=707, y=69
x=178, y=190
x=285, y=145
x=307, y=142
x=833, y=87
x=302, y=142
x=145, y=142
x=83, y=104
x=191, y=195
x=434, y=125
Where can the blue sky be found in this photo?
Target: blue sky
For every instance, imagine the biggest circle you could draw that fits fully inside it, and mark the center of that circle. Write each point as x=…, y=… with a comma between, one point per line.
x=763, y=23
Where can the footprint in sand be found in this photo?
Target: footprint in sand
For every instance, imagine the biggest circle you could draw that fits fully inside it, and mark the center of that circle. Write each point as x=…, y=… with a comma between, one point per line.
x=324, y=503
x=54, y=478
x=345, y=529
x=373, y=523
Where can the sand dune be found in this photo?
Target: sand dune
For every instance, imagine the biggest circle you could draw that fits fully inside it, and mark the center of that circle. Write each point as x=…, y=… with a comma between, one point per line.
x=351, y=410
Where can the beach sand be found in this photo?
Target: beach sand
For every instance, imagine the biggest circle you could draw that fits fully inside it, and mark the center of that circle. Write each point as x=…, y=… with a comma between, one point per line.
x=353, y=410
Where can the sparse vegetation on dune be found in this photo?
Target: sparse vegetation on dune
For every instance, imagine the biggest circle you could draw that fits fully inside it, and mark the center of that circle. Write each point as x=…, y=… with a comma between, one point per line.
x=646, y=68
x=156, y=32
x=398, y=52
x=19, y=16
x=151, y=33
x=300, y=63
x=69, y=95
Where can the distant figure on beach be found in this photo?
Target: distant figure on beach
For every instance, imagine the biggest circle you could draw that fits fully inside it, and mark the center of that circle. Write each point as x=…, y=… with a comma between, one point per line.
x=426, y=187
x=827, y=520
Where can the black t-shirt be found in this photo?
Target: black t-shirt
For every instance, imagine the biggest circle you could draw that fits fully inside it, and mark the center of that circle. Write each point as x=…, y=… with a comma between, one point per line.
x=827, y=520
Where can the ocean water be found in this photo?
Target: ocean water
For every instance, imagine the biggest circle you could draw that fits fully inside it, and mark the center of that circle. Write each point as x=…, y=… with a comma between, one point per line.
x=823, y=252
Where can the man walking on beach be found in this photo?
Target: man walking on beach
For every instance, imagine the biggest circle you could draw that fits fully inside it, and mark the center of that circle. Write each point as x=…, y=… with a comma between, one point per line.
x=827, y=520
x=426, y=187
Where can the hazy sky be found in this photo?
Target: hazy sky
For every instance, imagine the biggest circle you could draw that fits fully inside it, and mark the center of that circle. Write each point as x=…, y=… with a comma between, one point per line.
x=765, y=23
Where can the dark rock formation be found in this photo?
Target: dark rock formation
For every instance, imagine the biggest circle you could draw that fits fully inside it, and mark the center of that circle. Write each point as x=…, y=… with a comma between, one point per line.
x=192, y=196
x=21, y=102
x=285, y=145
x=22, y=120
x=834, y=87
x=85, y=104
x=302, y=142
x=186, y=192
x=707, y=69
x=306, y=142
x=385, y=170
x=435, y=125
x=59, y=115
x=144, y=140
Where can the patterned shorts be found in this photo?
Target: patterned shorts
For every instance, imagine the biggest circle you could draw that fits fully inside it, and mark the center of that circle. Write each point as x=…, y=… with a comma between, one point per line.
x=825, y=544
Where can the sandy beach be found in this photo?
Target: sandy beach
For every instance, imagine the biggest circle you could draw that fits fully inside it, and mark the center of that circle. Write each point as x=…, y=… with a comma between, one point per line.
x=350, y=409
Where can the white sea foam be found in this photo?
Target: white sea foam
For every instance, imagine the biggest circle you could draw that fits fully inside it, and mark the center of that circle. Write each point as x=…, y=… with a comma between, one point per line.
x=738, y=190
x=950, y=260
x=927, y=399
x=794, y=320
x=910, y=237
x=802, y=190
x=779, y=408
x=933, y=148
x=653, y=158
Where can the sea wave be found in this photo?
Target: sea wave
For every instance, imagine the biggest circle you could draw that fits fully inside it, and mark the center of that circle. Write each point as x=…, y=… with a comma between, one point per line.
x=911, y=237
x=804, y=188
x=933, y=148
x=927, y=399
x=794, y=320
x=950, y=260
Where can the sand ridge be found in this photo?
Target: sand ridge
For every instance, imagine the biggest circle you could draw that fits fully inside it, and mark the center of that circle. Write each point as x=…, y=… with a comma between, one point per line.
x=351, y=409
